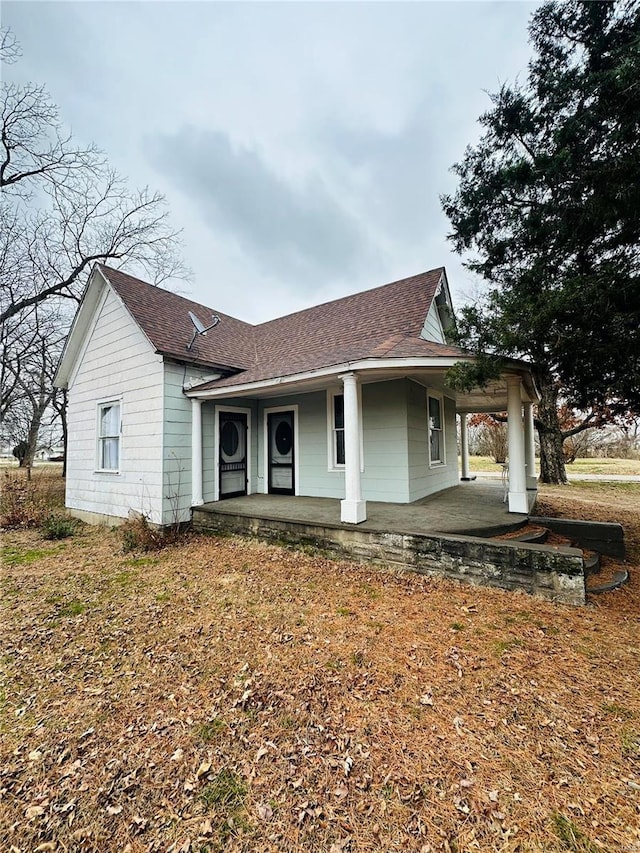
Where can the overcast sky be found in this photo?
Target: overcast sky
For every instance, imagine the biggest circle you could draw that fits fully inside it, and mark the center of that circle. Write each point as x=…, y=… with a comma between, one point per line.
x=302, y=146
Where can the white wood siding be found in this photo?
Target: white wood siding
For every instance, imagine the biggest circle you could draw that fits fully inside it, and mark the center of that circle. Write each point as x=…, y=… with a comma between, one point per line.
x=176, y=454
x=425, y=479
x=385, y=476
x=395, y=439
x=177, y=443
x=432, y=329
x=384, y=420
x=118, y=363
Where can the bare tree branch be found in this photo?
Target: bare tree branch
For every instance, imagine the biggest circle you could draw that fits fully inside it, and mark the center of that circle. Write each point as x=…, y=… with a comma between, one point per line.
x=61, y=209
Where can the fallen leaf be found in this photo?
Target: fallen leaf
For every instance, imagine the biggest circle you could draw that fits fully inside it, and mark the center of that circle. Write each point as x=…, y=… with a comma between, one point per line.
x=264, y=810
x=33, y=811
x=203, y=770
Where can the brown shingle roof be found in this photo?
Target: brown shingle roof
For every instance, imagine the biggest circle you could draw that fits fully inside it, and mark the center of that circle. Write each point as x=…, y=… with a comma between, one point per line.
x=163, y=317
x=384, y=322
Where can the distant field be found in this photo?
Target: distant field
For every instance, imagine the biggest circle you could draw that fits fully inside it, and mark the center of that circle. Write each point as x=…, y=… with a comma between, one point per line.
x=580, y=466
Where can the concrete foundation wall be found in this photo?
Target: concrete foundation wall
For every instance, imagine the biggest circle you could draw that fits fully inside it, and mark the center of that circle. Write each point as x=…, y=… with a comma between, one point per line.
x=557, y=575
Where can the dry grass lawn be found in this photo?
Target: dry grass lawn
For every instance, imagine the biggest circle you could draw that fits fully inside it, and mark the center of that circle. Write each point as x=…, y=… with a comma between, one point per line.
x=225, y=694
x=601, y=466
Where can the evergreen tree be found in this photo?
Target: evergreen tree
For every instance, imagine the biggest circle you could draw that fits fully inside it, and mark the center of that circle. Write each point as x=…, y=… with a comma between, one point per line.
x=547, y=210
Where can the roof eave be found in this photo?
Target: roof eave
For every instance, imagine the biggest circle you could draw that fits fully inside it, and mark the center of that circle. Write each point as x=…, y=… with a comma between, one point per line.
x=434, y=362
x=225, y=369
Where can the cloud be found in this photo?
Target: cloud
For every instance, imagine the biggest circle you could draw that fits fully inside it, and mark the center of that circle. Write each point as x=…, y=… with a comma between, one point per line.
x=392, y=171
x=302, y=146
x=299, y=230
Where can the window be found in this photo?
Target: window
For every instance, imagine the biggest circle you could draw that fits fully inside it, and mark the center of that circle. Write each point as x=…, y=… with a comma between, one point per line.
x=109, y=436
x=436, y=430
x=337, y=430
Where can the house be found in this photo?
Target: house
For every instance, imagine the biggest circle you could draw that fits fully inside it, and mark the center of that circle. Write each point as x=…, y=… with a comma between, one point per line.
x=346, y=400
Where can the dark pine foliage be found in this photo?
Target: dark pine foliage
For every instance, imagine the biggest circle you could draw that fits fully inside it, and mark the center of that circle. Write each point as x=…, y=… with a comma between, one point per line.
x=547, y=210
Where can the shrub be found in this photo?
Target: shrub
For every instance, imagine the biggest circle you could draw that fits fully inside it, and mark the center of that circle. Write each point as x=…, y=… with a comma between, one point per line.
x=138, y=534
x=58, y=527
x=23, y=502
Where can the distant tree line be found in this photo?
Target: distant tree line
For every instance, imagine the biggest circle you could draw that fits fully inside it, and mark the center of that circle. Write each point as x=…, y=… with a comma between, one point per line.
x=620, y=440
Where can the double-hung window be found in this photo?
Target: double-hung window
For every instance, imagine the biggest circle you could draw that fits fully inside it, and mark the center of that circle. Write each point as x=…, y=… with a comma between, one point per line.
x=337, y=430
x=109, y=436
x=436, y=429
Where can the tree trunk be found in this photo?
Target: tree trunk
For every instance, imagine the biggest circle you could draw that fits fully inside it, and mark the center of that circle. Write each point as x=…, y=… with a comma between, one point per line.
x=40, y=397
x=552, y=466
x=32, y=437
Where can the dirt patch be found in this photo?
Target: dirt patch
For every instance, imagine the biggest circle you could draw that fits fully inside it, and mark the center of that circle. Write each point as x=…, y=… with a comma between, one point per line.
x=225, y=694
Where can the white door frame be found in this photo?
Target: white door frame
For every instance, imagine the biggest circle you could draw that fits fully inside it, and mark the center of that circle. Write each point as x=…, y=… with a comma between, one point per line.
x=216, y=446
x=296, y=456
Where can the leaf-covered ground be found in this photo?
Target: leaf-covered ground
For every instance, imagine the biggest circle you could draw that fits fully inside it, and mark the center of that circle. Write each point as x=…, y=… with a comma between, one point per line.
x=225, y=694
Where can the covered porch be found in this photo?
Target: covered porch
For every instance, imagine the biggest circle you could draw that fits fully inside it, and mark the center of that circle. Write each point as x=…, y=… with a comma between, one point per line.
x=394, y=441
x=474, y=508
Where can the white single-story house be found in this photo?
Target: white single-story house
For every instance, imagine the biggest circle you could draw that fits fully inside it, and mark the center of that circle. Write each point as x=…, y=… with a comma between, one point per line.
x=172, y=405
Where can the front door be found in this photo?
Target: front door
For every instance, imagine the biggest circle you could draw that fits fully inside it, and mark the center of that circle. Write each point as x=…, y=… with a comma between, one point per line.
x=233, y=454
x=281, y=453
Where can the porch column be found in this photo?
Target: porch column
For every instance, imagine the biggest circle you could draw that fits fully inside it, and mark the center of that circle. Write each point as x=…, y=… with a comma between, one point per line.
x=530, y=447
x=353, y=509
x=196, y=452
x=464, y=448
x=517, y=476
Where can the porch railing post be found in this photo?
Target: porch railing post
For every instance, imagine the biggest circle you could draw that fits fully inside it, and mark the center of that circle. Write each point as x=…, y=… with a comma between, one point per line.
x=353, y=509
x=196, y=452
x=464, y=447
x=517, y=477
x=530, y=447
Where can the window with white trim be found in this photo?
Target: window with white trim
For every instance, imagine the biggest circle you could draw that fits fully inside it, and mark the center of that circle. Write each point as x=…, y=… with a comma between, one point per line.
x=435, y=421
x=109, y=430
x=337, y=430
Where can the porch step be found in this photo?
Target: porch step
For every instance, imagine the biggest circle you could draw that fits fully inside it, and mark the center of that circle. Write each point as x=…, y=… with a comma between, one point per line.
x=591, y=559
x=530, y=533
x=592, y=563
x=618, y=579
x=533, y=535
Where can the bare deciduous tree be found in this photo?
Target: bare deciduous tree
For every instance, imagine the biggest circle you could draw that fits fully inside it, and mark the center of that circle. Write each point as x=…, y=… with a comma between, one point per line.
x=28, y=367
x=61, y=209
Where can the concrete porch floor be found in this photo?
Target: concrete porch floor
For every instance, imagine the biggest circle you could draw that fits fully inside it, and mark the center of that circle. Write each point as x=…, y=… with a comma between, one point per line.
x=473, y=509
